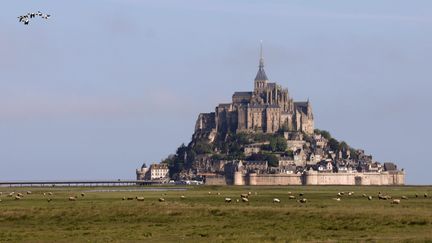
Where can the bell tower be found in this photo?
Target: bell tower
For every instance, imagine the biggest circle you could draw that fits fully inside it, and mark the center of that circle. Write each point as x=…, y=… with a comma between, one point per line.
x=261, y=77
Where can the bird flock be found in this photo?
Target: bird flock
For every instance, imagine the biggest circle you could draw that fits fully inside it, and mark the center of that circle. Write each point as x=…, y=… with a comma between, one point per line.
x=26, y=18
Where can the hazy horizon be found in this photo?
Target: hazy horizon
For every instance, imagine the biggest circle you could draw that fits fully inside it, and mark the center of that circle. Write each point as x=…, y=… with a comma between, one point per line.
x=105, y=85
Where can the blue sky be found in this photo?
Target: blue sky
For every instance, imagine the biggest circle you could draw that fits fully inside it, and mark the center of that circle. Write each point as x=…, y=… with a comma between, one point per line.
x=104, y=86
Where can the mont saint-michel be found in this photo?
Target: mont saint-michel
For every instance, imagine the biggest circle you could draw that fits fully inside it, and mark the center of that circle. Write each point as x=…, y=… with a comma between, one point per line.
x=265, y=137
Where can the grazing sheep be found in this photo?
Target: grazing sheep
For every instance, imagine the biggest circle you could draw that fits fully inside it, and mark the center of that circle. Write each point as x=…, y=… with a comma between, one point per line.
x=244, y=195
x=124, y=198
x=370, y=198
x=364, y=195
x=140, y=198
x=228, y=200
x=182, y=197
x=416, y=195
x=350, y=193
x=303, y=200
x=276, y=200
x=29, y=192
x=50, y=193
x=395, y=201
x=209, y=193
x=337, y=199
x=161, y=199
x=381, y=197
x=425, y=195
x=289, y=193
x=17, y=197
x=49, y=200
x=340, y=194
x=44, y=194
x=291, y=197
x=11, y=194
x=250, y=193
x=404, y=197
x=82, y=194
x=72, y=198
x=20, y=194
x=245, y=199
x=218, y=193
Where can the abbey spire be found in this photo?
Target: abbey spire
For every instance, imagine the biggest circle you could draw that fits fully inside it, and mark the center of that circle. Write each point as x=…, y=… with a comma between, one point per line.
x=261, y=75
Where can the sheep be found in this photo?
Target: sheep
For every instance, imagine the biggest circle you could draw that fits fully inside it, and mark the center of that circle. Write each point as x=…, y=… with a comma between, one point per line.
x=289, y=193
x=218, y=193
x=303, y=200
x=301, y=194
x=182, y=197
x=244, y=195
x=82, y=194
x=404, y=197
x=161, y=199
x=395, y=201
x=370, y=198
x=72, y=198
x=20, y=194
x=350, y=193
x=209, y=193
x=11, y=194
x=337, y=199
x=276, y=200
x=416, y=195
x=381, y=197
x=291, y=197
x=124, y=198
x=50, y=193
x=425, y=195
x=140, y=198
x=364, y=195
x=250, y=193
x=237, y=200
x=49, y=200
x=44, y=194
x=244, y=199
x=228, y=200
x=130, y=198
x=340, y=194
x=17, y=197
x=0, y=200
x=29, y=192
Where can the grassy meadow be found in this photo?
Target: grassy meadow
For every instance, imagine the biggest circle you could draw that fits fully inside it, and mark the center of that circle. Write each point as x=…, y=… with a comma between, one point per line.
x=102, y=216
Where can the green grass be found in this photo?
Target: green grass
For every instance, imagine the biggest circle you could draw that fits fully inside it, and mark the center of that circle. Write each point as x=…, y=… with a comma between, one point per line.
x=105, y=217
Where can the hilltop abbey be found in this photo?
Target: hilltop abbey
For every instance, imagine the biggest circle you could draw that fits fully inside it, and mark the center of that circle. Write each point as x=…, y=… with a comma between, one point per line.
x=264, y=137
x=268, y=108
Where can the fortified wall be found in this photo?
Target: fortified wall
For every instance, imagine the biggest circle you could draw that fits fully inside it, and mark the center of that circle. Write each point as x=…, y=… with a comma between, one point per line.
x=311, y=178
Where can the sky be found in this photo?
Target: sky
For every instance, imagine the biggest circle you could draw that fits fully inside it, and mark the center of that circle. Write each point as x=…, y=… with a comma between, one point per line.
x=106, y=85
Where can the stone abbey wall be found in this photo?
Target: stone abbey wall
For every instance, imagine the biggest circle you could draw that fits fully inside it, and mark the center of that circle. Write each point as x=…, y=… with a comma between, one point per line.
x=312, y=178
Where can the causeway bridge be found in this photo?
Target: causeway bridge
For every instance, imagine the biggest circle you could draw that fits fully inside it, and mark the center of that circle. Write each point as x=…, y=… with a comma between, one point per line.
x=77, y=183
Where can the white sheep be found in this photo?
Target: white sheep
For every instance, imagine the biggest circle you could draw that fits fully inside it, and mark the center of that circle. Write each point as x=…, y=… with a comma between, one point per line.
x=292, y=197
x=276, y=200
x=245, y=199
x=72, y=198
x=49, y=200
x=370, y=198
x=29, y=192
x=395, y=201
x=404, y=197
x=140, y=198
x=303, y=200
x=182, y=197
x=228, y=200
x=337, y=199
x=17, y=197
x=161, y=199
x=50, y=193
x=244, y=195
